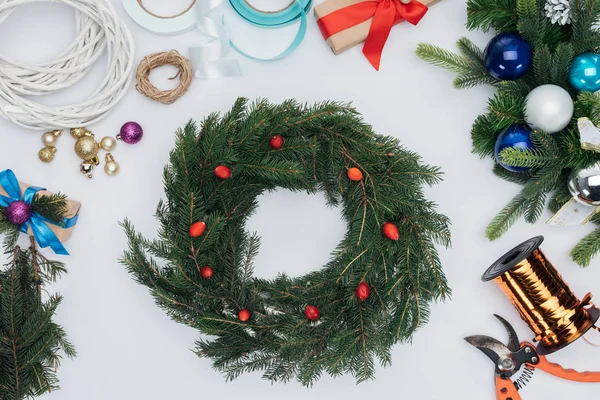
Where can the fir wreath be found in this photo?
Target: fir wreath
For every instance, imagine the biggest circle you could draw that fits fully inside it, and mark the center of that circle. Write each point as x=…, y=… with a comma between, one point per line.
x=373, y=293
x=555, y=155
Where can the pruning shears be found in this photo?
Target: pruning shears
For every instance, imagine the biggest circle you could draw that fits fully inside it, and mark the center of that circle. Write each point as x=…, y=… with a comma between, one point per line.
x=509, y=359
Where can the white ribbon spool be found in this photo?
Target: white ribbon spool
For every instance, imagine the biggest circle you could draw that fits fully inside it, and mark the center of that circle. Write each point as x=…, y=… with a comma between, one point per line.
x=208, y=60
x=173, y=25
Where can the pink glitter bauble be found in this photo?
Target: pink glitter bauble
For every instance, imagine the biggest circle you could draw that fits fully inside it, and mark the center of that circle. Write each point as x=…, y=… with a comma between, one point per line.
x=18, y=212
x=131, y=132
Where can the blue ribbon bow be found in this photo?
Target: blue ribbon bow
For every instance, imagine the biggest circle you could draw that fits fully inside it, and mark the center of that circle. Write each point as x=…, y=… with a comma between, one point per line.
x=39, y=225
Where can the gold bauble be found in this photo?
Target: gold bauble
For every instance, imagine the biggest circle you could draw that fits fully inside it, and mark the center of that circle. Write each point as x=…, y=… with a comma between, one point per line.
x=50, y=138
x=86, y=147
x=46, y=154
x=79, y=132
x=111, y=167
x=108, y=143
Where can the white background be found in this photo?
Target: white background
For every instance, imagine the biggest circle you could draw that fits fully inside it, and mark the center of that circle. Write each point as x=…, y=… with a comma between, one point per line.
x=129, y=349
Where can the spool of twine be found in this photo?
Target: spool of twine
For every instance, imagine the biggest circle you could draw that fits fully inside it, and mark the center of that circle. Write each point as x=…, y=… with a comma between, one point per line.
x=152, y=61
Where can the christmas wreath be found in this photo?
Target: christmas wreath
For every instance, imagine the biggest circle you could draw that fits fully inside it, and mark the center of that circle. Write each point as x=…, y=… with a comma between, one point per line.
x=373, y=293
x=541, y=124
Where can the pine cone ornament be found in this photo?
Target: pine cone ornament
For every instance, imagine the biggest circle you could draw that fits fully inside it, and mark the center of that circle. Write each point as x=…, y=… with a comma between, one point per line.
x=559, y=11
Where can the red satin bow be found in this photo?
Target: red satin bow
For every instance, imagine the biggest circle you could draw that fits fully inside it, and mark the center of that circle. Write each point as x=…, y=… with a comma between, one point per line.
x=385, y=14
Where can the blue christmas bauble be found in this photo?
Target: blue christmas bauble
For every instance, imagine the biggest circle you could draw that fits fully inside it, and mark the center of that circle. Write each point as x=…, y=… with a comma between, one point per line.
x=584, y=74
x=508, y=56
x=516, y=136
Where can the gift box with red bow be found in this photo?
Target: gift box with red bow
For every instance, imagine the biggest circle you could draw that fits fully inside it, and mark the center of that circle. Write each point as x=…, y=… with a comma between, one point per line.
x=345, y=23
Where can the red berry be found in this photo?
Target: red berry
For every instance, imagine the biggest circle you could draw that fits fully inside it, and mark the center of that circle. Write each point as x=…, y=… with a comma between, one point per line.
x=206, y=272
x=223, y=172
x=312, y=313
x=276, y=142
x=244, y=315
x=197, y=229
x=391, y=231
x=354, y=174
x=363, y=291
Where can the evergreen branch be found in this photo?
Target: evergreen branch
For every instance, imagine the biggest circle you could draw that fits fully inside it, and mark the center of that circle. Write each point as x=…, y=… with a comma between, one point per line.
x=561, y=63
x=30, y=342
x=528, y=158
x=497, y=15
x=520, y=178
x=587, y=248
x=506, y=218
x=542, y=65
x=443, y=58
x=535, y=207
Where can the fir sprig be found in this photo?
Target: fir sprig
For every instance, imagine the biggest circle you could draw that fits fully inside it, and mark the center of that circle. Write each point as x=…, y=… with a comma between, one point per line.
x=31, y=343
x=320, y=143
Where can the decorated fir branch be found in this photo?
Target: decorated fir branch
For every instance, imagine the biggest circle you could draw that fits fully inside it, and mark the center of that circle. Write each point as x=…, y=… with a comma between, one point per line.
x=31, y=344
x=342, y=318
x=544, y=64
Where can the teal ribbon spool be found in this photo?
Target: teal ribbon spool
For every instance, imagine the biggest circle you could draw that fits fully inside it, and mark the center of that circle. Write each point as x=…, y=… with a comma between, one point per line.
x=297, y=10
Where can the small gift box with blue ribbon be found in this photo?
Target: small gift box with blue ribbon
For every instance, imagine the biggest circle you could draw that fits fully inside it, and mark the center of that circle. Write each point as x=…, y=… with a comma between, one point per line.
x=48, y=217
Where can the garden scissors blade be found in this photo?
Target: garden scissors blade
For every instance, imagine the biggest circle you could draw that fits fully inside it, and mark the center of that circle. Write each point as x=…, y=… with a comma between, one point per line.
x=509, y=359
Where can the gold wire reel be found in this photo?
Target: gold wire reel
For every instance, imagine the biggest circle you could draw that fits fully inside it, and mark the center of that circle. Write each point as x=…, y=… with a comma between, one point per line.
x=542, y=297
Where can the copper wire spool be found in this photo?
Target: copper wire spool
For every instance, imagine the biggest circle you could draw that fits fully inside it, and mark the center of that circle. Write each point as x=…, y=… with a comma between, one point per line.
x=541, y=296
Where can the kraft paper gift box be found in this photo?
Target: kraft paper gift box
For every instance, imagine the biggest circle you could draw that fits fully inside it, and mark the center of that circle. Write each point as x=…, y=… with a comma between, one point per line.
x=357, y=34
x=73, y=207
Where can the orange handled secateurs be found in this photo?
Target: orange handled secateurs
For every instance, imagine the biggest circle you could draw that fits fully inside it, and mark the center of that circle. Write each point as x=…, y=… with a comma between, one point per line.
x=510, y=358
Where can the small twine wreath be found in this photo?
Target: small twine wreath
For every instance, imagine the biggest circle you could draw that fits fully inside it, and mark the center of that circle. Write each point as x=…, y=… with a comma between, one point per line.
x=156, y=60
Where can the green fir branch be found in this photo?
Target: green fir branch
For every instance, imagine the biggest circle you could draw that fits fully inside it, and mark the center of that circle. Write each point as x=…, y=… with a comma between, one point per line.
x=443, y=58
x=542, y=62
x=587, y=248
x=561, y=63
x=507, y=217
x=497, y=15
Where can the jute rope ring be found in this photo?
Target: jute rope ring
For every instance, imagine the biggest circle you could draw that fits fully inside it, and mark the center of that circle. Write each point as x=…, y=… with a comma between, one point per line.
x=156, y=60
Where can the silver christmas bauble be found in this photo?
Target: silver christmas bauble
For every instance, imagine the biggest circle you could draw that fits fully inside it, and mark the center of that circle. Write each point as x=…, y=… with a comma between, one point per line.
x=584, y=185
x=549, y=108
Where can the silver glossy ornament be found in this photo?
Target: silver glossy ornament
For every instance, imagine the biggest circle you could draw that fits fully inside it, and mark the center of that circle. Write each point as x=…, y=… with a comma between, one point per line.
x=584, y=185
x=87, y=168
x=549, y=108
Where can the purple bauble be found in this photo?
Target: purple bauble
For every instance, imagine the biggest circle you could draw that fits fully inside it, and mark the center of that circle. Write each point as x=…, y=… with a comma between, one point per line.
x=131, y=133
x=18, y=212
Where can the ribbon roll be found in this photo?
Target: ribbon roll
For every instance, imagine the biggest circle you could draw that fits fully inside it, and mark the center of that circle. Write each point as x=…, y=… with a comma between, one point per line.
x=39, y=225
x=297, y=9
x=173, y=25
x=209, y=59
